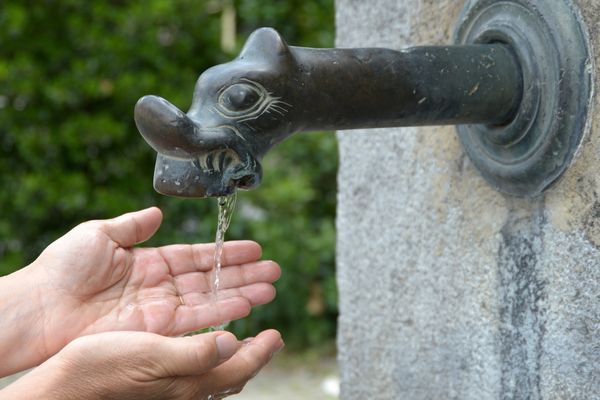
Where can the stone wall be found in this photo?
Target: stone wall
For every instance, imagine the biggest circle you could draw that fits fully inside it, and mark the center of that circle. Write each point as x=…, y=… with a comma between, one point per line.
x=449, y=289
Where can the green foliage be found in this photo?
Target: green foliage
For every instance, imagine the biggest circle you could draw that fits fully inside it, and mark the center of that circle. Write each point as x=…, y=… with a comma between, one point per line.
x=70, y=74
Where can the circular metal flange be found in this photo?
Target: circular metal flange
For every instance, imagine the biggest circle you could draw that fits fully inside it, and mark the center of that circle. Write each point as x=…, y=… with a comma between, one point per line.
x=530, y=152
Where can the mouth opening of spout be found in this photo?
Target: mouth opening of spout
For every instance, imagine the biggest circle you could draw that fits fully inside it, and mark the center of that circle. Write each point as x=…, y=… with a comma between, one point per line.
x=245, y=183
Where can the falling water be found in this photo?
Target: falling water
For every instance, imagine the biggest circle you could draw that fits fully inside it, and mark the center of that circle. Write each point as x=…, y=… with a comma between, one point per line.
x=226, y=206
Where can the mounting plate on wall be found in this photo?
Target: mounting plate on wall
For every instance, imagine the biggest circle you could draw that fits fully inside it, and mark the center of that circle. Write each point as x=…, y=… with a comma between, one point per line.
x=529, y=153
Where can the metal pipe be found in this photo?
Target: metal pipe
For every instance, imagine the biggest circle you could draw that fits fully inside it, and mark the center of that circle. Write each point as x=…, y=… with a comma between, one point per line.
x=271, y=90
x=430, y=85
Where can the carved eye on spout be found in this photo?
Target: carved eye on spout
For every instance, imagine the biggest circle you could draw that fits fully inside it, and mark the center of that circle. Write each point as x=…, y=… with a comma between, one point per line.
x=248, y=100
x=239, y=97
x=242, y=99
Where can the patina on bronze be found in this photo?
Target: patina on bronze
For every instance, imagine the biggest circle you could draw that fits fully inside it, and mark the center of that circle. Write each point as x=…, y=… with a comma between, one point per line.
x=271, y=90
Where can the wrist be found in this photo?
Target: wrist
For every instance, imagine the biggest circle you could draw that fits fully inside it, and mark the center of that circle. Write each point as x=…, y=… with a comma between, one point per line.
x=21, y=322
x=48, y=381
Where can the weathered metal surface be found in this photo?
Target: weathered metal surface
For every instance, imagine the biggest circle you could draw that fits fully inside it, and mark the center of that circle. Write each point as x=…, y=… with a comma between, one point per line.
x=242, y=108
x=527, y=155
x=518, y=81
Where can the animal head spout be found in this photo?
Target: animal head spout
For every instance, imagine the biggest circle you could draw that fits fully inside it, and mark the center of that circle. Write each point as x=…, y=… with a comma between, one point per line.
x=238, y=112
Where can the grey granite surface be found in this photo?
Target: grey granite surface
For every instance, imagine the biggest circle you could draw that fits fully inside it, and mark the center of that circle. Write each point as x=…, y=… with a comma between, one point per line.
x=449, y=289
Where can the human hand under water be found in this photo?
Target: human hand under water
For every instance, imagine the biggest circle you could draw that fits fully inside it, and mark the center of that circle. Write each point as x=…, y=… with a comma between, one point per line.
x=93, y=280
x=139, y=365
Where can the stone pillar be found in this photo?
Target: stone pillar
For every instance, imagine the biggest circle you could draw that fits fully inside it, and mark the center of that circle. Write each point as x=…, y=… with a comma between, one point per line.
x=449, y=289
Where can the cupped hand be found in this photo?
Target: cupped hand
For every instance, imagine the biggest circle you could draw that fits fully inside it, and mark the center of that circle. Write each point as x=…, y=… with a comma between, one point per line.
x=139, y=365
x=93, y=280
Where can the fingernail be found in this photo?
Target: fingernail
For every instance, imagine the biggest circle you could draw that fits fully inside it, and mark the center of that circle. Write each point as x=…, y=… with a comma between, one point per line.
x=265, y=262
x=280, y=346
x=227, y=345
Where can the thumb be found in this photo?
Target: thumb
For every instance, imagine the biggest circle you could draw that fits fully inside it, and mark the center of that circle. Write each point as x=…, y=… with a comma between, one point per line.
x=135, y=227
x=195, y=355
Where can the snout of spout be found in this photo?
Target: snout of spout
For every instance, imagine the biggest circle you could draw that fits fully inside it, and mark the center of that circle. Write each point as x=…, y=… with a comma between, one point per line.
x=166, y=128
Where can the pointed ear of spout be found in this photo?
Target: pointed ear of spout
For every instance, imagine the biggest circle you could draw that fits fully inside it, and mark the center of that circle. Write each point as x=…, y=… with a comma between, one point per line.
x=265, y=43
x=167, y=129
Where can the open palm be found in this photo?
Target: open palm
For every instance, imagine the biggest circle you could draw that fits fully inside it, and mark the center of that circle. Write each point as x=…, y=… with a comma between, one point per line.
x=93, y=280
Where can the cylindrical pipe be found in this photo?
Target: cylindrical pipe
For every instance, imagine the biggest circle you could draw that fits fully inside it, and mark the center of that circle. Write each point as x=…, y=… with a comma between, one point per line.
x=429, y=85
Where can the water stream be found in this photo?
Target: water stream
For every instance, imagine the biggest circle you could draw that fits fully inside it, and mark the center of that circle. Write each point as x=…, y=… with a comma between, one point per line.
x=226, y=206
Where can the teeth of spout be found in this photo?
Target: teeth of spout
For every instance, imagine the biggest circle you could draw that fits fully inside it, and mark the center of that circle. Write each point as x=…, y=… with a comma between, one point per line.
x=166, y=128
x=216, y=160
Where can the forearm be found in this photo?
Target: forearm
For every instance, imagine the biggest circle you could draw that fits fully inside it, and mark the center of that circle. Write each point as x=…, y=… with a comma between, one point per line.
x=21, y=323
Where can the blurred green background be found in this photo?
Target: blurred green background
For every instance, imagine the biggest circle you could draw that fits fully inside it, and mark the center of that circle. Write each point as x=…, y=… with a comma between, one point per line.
x=70, y=74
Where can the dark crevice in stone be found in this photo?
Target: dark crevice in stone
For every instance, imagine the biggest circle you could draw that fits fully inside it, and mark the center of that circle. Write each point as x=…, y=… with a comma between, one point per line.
x=521, y=297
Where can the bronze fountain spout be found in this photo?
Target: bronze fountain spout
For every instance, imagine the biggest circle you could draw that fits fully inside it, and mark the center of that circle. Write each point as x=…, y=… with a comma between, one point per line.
x=486, y=83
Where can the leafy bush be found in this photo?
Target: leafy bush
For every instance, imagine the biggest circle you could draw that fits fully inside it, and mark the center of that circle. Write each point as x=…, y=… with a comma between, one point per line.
x=70, y=73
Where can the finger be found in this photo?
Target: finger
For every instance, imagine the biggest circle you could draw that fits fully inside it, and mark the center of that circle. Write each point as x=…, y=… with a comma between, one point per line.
x=135, y=227
x=194, y=355
x=244, y=365
x=200, y=311
x=200, y=257
x=255, y=294
x=191, y=318
x=232, y=276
